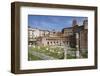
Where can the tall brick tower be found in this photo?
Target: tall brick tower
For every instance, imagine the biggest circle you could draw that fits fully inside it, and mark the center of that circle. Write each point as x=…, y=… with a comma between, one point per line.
x=75, y=26
x=74, y=22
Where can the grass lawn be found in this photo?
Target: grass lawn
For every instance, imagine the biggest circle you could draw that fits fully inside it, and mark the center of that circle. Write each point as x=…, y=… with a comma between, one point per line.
x=70, y=56
x=85, y=54
x=32, y=57
x=55, y=52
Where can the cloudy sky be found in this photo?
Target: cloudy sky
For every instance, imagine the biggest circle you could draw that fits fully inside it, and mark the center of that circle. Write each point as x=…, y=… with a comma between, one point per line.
x=52, y=22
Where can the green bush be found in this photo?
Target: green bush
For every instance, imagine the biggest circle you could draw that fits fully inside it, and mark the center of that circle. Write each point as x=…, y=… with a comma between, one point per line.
x=72, y=49
x=70, y=56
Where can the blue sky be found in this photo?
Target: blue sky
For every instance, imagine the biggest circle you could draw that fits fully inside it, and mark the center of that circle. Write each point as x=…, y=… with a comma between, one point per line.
x=50, y=23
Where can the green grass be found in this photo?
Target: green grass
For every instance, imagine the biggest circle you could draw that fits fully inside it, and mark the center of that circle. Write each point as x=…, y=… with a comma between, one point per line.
x=70, y=56
x=32, y=57
x=85, y=55
x=55, y=52
x=72, y=49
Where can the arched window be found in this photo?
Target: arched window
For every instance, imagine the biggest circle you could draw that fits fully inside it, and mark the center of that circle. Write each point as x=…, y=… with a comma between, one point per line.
x=48, y=43
x=51, y=42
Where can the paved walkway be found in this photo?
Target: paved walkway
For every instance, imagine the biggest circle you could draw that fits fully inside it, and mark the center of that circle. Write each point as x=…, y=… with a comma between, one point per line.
x=42, y=55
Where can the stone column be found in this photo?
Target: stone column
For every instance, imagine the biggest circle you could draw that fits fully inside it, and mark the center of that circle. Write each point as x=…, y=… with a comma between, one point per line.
x=65, y=51
x=77, y=45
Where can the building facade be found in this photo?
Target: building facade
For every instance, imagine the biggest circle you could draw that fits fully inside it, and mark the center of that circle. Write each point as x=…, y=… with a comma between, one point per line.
x=74, y=37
